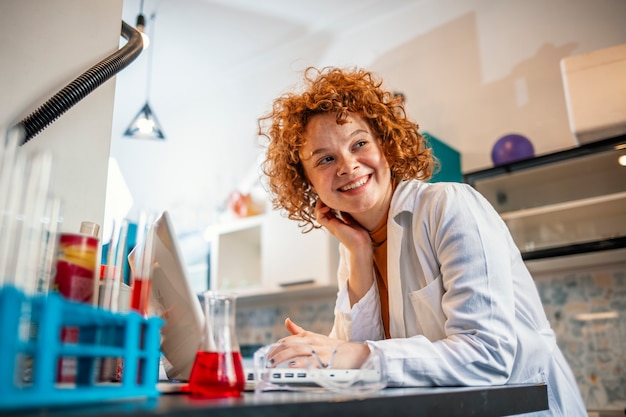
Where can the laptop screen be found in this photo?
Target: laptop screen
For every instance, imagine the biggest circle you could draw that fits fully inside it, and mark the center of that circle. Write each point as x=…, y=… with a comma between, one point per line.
x=174, y=301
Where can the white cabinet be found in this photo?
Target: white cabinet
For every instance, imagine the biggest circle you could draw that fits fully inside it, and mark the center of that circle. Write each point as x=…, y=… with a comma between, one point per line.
x=235, y=257
x=268, y=253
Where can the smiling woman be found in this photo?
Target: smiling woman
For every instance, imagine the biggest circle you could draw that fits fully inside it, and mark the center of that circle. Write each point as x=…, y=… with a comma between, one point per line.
x=428, y=274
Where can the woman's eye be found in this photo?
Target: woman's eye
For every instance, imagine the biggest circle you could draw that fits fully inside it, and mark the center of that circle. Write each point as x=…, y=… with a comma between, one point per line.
x=360, y=144
x=324, y=160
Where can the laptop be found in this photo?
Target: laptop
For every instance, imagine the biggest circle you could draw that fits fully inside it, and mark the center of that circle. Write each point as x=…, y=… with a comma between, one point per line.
x=173, y=299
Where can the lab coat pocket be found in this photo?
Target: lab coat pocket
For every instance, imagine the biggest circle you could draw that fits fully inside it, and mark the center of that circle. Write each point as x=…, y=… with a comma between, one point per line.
x=429, y=316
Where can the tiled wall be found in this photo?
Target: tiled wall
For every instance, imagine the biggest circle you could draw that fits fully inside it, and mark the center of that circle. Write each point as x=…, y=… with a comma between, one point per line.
x=587, y=311
x=262, y=325
x=595, y=349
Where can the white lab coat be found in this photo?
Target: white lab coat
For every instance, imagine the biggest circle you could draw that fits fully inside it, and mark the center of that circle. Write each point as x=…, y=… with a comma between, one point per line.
x=463, y=308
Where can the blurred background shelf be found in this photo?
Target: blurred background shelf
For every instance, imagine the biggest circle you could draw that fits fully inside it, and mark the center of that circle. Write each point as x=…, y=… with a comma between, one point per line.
x=564, y=203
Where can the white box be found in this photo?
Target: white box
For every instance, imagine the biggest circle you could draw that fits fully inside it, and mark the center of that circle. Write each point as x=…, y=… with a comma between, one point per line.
x=595, y=93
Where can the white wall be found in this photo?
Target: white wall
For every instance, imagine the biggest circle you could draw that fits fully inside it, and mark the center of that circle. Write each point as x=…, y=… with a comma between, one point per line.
x=493, y=69
x=44, y=46
x=472, y=71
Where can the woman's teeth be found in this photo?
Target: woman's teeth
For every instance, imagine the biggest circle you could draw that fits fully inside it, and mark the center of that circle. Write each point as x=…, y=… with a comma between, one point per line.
x=357, y=184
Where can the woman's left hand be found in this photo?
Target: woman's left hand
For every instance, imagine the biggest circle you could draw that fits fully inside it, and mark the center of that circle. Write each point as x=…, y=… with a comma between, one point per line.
x=304, y=348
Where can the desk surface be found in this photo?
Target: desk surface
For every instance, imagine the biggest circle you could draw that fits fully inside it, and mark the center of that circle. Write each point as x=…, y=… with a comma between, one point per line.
x=439, y=401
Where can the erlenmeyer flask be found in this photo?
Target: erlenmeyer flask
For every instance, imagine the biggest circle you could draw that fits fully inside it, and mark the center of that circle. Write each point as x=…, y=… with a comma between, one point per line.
x=218, y=368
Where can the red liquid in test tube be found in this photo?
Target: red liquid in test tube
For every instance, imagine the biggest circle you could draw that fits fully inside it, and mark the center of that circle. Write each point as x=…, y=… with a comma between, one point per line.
x=140, y=295
x=143, y=259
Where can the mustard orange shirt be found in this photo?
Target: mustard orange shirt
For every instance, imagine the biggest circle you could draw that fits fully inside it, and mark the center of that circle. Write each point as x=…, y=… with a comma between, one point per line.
x=379, y=244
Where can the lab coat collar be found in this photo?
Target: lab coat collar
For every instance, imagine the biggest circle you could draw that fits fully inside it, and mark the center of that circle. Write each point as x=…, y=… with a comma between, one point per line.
x=403, y=200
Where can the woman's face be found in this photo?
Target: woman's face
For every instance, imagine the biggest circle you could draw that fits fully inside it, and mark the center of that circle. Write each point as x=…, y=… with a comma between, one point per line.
x=346, y=167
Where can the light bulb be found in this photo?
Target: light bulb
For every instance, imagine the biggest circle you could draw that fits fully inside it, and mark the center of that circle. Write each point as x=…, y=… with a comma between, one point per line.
x=145, y=125
x=622, y=160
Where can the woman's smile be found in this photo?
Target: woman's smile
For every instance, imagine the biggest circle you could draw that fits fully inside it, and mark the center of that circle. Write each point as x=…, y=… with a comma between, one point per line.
x=356, y=184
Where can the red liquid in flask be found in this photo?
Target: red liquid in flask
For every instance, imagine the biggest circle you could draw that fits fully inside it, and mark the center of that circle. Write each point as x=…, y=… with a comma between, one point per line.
x=217, y=375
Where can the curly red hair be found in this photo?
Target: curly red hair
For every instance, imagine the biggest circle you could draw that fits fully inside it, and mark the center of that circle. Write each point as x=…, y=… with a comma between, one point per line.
x=339, y=91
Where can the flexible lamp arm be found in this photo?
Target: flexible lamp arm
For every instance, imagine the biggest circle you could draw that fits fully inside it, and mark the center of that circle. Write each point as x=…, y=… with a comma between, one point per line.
x=82, y=86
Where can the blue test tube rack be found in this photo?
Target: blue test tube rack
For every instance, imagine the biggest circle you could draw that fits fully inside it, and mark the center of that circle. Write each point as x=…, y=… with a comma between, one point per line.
x=31, y=348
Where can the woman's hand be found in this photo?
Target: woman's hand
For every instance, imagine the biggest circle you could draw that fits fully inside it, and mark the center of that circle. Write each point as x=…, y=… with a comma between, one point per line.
x=303, y=349
x=347, y=230
x=357, y=241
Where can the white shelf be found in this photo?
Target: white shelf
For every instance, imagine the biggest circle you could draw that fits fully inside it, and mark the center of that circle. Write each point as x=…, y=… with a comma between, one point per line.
x=272, y=296
x=234, y=225
x=558, y=202
x=584, y=203
x=569, y=180
x=573, y=222
x=236, y=254
x=268, y=254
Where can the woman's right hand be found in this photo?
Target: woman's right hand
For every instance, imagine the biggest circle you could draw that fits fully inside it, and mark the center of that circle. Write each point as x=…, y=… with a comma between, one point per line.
x=347, y=230
x=357, y=241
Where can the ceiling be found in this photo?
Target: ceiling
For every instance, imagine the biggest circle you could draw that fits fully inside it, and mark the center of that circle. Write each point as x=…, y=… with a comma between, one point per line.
x=237, y=31
x=471, y=69
x=319, y=14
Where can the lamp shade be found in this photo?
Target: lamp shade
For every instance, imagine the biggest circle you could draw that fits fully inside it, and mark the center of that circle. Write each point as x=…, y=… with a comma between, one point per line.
x=145, y=125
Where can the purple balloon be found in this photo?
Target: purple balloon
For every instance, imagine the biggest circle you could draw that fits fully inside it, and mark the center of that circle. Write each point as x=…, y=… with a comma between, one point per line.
x=511, y=148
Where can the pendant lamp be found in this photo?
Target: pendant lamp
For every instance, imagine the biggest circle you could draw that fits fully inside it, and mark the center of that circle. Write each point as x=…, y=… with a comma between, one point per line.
x=145, y=124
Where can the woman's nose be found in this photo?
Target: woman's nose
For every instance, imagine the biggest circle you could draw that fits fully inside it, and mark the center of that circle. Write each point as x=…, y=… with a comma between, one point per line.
x=347, y=164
